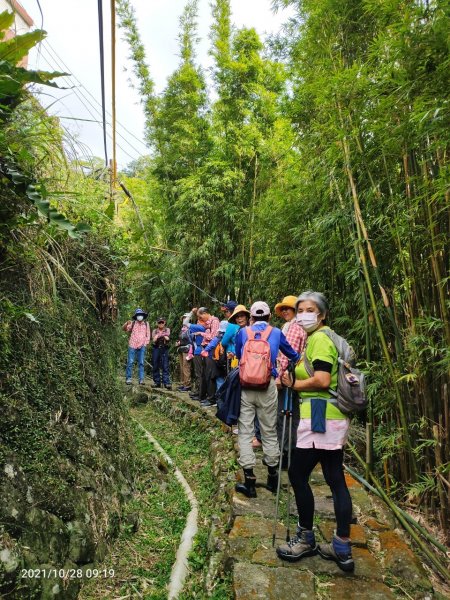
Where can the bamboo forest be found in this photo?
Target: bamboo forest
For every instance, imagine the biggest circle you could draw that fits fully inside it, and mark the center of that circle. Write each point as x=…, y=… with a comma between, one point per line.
x=304, y=169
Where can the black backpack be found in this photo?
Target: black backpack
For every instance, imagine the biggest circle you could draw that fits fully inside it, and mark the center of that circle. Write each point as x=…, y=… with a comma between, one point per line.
x=220, y=358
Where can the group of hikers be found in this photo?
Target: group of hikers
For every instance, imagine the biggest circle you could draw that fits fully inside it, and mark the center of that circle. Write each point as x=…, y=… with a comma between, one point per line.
x=297, y=364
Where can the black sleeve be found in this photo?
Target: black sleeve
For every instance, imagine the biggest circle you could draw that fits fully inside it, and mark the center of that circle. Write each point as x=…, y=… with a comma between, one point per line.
x=322, y=365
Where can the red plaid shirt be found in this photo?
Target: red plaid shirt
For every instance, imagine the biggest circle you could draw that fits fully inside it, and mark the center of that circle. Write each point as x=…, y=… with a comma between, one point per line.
x=296, y=336
x=140, y=334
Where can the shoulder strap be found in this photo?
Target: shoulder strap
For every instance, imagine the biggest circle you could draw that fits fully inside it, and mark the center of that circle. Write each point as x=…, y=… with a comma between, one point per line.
x=132, y=327
x=267, y=331
x=250, y=333
x=308, y=366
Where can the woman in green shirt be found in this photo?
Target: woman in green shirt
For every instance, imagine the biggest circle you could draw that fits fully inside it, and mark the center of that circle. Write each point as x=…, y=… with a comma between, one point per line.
x=322, y=434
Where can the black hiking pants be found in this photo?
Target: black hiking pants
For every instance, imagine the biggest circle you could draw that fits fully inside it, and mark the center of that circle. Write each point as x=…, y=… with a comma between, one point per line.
x=197, y=361
x=303, y=462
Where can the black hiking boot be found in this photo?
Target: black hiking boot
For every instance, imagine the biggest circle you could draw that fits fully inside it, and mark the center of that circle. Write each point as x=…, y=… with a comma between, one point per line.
x=248, y=487
x=272, y=479
x=208, y=402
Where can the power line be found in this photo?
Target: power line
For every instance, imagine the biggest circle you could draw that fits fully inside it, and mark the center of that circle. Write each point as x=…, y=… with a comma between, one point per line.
x=42, y=14
x=102, y=74
x=79, y=90
x=79, y=94
x=59, y=61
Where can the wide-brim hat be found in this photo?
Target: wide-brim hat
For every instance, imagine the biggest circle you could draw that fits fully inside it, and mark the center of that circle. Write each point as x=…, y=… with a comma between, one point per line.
x=287, y=302
x=240, y=308
x=138, y=312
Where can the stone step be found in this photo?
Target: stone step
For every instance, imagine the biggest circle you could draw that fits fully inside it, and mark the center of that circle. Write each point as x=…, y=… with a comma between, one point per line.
x=401, y=561
x=255, y=581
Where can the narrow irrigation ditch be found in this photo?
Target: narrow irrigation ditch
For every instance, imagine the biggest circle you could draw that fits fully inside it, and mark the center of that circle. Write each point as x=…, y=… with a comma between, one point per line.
x=145, y=553
x=180, y=567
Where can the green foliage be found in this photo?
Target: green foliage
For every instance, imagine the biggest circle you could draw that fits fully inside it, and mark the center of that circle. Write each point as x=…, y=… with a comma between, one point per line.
x=13, y=78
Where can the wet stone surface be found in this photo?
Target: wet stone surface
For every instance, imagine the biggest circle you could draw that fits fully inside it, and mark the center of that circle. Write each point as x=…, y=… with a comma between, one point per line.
x=349, y=589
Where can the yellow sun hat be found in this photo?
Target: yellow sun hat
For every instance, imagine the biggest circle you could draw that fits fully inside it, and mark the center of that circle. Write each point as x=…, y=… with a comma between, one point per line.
x=287, y=302
x=239, y=309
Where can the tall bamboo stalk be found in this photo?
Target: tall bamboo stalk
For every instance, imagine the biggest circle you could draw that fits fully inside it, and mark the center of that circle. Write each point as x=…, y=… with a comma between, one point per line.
x=362, y=234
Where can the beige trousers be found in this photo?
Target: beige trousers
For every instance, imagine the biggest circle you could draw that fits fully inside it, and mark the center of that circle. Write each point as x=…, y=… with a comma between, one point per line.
x=263, y=403
x=185, y=369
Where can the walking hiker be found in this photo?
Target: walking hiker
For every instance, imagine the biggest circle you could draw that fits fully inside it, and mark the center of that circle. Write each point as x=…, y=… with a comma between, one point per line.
x=322, y=434
x=160, y=355
x=296, y=336
x=257, y=348
x=139, y=330
x=184, y=344
x=216, y=351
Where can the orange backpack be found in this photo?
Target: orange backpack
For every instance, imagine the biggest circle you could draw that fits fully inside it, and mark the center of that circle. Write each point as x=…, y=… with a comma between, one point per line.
x=255, y=366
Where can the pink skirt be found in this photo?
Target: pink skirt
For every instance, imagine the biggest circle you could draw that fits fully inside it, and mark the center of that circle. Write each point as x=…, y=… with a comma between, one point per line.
x=334, y=438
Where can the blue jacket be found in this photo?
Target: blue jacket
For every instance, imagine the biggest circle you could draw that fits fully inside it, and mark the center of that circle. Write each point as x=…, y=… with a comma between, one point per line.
x=229, y=337
x=229, y=399
x=226, y=339
x=277, y=342
x=198, y=339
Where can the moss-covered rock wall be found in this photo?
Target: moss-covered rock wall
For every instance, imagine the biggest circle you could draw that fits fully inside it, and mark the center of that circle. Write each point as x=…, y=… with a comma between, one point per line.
x=66, y=463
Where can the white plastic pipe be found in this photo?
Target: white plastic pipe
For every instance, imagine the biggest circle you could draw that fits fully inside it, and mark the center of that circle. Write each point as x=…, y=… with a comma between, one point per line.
x=180, y=566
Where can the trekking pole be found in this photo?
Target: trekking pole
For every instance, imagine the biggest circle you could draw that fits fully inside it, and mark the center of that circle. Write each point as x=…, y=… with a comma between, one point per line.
x=291, y=370
x=277, y=501
x=288, y=501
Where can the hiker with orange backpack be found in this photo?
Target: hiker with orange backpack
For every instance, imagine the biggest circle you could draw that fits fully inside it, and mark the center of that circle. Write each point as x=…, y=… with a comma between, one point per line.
x=257, y=348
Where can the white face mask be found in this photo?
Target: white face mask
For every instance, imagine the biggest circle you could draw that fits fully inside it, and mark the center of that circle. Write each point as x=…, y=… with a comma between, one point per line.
x=308, y=320
x=140, y=318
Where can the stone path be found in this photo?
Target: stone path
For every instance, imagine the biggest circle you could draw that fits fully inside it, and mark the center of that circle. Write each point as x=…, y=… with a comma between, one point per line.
x=384, y=563
x=385, y=566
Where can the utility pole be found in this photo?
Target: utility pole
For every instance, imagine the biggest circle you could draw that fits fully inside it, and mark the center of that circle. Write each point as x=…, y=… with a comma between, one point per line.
x=113, y=167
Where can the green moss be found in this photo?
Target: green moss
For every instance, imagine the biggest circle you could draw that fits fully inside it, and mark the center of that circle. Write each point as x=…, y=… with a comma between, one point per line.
x=64, y=431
